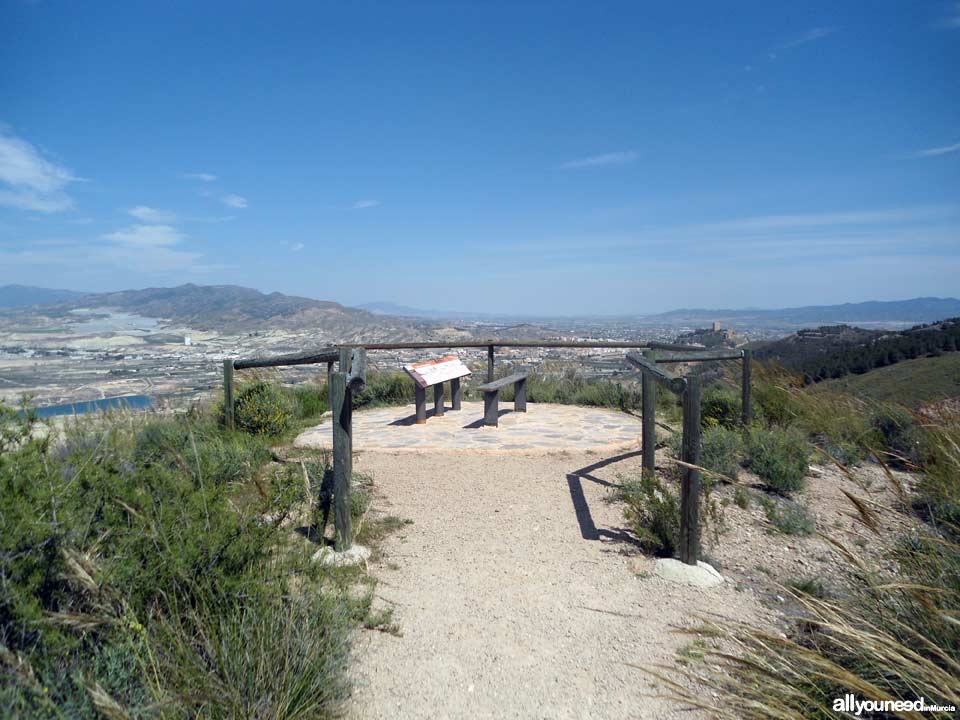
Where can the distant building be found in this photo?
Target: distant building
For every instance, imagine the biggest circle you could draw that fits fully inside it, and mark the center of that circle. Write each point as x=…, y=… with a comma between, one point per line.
x=716, y=326
x=187, y=341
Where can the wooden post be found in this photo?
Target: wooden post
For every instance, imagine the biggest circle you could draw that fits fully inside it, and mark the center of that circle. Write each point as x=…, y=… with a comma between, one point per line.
x=745, y=387
x=342, y=460
x=345, y=354
x=456, y=394
x=228, y=394
x=690, y=485
x=438, y=400
x=649, y=418
x=490, y=363
x=329, y=372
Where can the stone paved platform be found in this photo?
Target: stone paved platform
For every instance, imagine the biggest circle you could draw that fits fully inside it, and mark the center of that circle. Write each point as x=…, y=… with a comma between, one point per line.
x=544, y=427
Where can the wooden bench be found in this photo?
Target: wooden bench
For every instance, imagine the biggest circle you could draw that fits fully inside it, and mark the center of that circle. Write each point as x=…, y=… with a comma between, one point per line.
x=491, y=397
x=436, y=373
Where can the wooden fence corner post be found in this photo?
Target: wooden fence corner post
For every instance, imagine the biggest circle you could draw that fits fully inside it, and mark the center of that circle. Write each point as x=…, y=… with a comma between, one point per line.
x=648, y=402
x=228, y=420
x=746, y=399
x=690, y=485
x=341, y=401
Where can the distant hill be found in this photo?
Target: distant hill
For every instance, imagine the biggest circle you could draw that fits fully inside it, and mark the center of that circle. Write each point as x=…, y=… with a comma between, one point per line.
x=203, y=305
x=913, y=383
x=834, y=351
x=874, y=312
x=230, y=308
x=896, y=314
x=26, y=295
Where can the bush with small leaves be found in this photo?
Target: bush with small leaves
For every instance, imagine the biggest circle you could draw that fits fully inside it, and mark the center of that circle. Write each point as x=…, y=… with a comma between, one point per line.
x=653, y=511
x=262, y=409
x=787, y=517
x=897, y=434
x=779, y=457
x=720, y=450
x=720, y=405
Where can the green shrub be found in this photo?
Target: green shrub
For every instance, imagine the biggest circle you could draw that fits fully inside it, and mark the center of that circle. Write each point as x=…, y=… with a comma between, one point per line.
x=896, y=433
x=721, y=406
x=741, y=497
x=261, y=408
x=394, y=388
x=812, y=586
x=779, y=457
x=653, y=512
x=202, y=450
x=106, y=532
x=720, y=450
x=788, y=517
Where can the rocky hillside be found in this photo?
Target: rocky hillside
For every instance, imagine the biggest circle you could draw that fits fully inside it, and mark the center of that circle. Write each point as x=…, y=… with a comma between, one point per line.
x=232, y=309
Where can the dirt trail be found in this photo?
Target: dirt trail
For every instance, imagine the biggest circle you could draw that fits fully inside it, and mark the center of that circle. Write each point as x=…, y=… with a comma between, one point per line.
x=517, y=593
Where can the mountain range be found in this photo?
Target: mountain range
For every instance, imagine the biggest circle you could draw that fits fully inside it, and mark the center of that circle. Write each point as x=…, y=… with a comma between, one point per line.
x=219, y=306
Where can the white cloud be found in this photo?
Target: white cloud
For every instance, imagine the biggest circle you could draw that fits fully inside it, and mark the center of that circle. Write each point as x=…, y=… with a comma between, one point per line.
x=30, y=181
x=624, y=157
x=296, y=247
x=362, y=204
x=809, y=36
x=146, y=236
x=148, y=249
x=152, y=215
x=202, y=177
x=234, y=201
x=934, y=152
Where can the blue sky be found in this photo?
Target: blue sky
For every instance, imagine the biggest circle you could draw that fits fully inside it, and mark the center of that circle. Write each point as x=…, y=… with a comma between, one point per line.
x=562, y=158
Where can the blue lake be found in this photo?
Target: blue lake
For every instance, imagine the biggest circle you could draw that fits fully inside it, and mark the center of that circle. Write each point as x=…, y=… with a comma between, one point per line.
x=125, y=402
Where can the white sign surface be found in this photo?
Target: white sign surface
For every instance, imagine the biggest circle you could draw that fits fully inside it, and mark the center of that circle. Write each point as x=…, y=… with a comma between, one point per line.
x=434, y=372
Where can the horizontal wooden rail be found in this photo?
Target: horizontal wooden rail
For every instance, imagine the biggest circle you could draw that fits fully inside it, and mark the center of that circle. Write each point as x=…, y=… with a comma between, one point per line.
x=330, y=354
x=505, y=343
x=700, y=357
x=676, y=384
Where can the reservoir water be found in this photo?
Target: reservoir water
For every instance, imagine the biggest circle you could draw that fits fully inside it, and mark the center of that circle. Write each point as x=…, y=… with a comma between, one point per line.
x=124, y=402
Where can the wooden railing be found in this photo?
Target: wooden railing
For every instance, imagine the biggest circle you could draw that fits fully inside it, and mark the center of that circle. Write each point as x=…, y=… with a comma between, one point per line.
x=351, y=376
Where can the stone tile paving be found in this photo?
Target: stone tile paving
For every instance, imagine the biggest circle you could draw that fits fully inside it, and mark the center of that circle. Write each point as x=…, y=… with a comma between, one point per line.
x=544, y=427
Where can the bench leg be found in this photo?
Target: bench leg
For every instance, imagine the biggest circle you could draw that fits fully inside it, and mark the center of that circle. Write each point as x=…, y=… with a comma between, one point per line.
x=491, y=403
x=438, y=400
x=520, y=395
x=455, y=395
x=421, y=395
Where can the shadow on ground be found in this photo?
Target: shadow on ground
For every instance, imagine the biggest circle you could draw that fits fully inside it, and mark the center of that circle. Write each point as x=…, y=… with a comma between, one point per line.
x=588, y=528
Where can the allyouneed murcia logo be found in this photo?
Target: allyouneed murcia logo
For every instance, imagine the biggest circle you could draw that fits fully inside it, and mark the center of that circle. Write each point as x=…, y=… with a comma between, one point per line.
x=851, y=704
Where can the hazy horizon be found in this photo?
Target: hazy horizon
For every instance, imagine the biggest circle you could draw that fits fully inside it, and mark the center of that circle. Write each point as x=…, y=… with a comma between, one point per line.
x=553, y=159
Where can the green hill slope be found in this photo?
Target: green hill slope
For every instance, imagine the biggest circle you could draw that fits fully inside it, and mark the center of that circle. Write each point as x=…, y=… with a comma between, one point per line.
x=912, y=382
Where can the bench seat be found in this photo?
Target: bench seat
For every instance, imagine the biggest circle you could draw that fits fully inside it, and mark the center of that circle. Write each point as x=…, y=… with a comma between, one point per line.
x=491, y=397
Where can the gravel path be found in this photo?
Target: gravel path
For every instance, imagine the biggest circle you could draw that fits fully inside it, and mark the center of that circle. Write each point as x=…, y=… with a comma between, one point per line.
x=518, y=593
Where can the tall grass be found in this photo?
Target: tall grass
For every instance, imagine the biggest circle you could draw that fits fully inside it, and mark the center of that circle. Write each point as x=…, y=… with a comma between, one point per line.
x=892, y=634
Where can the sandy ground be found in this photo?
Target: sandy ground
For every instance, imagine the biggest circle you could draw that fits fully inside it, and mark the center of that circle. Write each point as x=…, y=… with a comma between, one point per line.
x=519, y=594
